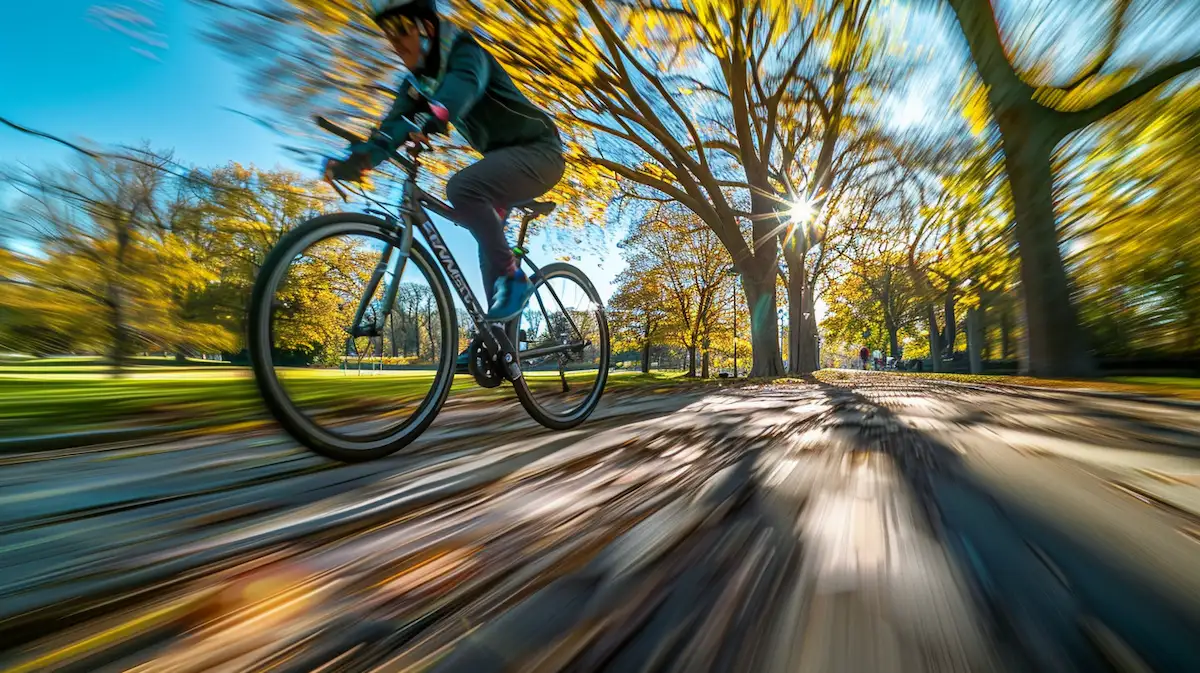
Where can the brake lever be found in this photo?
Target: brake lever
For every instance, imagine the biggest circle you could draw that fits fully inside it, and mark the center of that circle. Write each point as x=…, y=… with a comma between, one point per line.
x=325, y=174
x=336, y=188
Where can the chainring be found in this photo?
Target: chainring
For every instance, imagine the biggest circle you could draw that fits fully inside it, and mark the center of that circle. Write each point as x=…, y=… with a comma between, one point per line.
x=480, y=364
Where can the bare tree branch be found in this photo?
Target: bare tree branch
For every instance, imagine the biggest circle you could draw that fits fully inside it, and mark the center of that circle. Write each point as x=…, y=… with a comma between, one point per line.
x=1116, y=101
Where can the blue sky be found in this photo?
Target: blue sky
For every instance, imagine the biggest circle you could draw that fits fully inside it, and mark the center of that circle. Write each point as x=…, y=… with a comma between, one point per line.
x=63, y=73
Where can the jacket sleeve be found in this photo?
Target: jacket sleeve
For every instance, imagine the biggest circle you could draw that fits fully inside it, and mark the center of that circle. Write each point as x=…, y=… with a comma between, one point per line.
x=464, y=83
x=392, y=132
x=466, y=78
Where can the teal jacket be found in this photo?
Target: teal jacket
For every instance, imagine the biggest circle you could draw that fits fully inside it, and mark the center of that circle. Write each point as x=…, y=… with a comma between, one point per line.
x=485, y=106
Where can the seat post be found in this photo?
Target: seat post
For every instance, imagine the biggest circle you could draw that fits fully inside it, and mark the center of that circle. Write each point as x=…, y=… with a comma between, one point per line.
x=525, y=218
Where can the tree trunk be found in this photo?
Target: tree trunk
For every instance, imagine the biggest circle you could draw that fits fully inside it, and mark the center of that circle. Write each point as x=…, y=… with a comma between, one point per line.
x=1006, y=332
x=119, y=348
x=393, y=330
x=759, y=288
x=115, y=298
x=646, y=349
x=894, y=341
x=795, y=298
x=935, y=340
x=404, y=332
x=704, y=362
x=808, y=332
x=975, y=339
x=1054, y=335
x=1029, y=134
x=1023, y=333
x=951, y=326
x=429, y=314
x=801, y=325
x=986, y=349
x=691, y=361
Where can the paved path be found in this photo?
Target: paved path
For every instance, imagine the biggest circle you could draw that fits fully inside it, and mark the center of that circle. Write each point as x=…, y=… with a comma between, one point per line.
x=876, y=524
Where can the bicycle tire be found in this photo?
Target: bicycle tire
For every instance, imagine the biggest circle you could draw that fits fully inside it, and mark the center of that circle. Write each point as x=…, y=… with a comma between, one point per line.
x=259, y=341
x=548, y=418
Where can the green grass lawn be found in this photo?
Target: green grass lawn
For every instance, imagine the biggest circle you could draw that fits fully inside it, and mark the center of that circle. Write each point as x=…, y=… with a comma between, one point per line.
x=1170, y=381
x=40, y=398
x=90, y=363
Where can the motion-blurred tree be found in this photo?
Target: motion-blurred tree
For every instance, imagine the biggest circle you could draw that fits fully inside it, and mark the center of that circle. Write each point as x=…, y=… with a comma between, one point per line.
x=1034, y=118
x=689, y=100
x=674, y=253
x=637, y=306
x=884, y=276
x=961, y=253
x=414, y=328
x=832, y=140
x=240, y=212
x=1131, y=223
x=131, y=252
x=109, y=265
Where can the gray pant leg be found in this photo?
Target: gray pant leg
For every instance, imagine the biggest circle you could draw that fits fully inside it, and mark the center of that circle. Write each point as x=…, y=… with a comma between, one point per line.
x=498, y=180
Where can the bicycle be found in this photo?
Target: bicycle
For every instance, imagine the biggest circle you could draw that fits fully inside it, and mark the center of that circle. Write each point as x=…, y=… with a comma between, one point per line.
x=302, y=335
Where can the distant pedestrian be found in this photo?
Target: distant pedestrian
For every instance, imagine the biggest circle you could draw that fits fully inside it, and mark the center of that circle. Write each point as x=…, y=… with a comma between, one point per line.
x=864, y=354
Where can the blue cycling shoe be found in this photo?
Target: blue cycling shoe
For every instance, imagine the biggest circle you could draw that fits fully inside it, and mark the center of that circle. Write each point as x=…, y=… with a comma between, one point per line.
x=510, y=296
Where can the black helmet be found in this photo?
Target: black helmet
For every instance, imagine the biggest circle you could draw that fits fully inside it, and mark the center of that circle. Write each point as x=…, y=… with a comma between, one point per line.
x=416, y=9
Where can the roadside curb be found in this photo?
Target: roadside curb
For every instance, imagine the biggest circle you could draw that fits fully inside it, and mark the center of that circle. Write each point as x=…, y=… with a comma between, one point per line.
x=1149, y=399
x=85, y=439
x=1089, y=392
x=1103, y=394
x=69, y=440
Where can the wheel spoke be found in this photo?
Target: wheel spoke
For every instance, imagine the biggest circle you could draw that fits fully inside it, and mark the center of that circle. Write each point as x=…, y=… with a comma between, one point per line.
x=565, y=355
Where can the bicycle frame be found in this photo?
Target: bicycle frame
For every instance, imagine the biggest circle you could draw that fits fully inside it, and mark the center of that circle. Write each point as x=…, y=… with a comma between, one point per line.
x=416, y=204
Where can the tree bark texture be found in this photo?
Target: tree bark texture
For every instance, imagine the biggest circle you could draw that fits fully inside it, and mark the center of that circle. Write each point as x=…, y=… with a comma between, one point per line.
x=975, y=339
x=764, y=325
x=1055, y=339
x=935, y=338
x=950, y=335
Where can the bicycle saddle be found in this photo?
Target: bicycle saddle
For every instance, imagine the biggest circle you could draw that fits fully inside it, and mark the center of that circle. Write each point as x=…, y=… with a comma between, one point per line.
x=538, y=208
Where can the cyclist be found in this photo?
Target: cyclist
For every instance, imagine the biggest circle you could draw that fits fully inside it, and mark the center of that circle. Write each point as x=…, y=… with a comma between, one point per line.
x=521, y=148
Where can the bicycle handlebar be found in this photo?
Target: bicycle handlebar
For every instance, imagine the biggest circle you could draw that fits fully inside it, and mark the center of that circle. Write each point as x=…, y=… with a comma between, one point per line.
x=344, y=134
x=348, y=135
x=408, y=163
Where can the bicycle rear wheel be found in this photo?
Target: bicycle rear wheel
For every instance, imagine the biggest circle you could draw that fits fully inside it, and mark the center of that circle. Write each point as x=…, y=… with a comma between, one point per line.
x=351, y=398
x=563, y=348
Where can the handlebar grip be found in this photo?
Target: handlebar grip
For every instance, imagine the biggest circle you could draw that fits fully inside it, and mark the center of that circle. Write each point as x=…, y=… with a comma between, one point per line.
x=337, y=130
x=350, y=136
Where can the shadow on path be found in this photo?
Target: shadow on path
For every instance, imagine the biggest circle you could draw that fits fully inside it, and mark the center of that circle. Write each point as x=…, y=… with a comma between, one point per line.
x=1064, y=603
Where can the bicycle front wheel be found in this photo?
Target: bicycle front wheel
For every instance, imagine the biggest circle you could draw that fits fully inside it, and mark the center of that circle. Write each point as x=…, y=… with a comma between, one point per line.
x=351, y=398
x=563, y=348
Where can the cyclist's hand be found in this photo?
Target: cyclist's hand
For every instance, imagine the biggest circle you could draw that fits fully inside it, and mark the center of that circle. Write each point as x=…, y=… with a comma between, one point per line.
x=419, y=141
x=341, y=170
